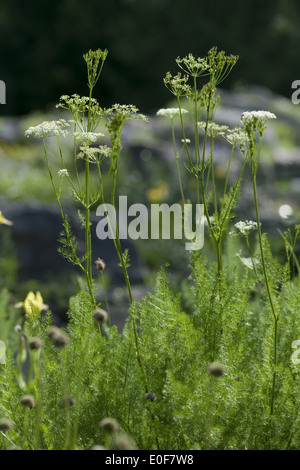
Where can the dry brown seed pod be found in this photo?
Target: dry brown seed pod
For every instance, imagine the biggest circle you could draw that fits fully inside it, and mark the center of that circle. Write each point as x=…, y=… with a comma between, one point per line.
x=216, y=369
x=6, y=424
x=100, y=264
x=58, y=337
x=109, y=425
x=27, y=400
x=35, y=343
x=151, y=396
x=67, y=402
x=100, y=316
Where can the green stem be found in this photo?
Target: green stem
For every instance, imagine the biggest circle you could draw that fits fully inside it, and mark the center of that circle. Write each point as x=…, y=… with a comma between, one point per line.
x=227, y=176
x=275, y=316
x=177, y=162
x=197, y=149
x=250, y=254
x=116, y=241
x=183, y=132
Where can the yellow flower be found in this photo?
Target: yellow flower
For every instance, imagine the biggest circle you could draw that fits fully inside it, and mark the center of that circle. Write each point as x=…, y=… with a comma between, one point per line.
x=33, y=305
x=4, y=221
x=158, y=193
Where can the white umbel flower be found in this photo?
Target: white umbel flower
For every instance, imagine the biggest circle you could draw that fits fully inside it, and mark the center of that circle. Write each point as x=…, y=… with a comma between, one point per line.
x=63, y=172
x=48, y=129
x=87, y=137
x=246, y=227
x=171, y=112
x=258, y=117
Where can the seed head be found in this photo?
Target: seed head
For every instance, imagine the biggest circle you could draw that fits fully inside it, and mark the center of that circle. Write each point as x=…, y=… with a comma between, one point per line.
x=97, y=447
x=109, y=425
x=216, y=369
x=151, y=396
x=58, y=337
x=6, y=424
x=27, y=400
x=35, y=343
x=100, y=316
x=124, y=442
x=67, y=402
x=100, y=264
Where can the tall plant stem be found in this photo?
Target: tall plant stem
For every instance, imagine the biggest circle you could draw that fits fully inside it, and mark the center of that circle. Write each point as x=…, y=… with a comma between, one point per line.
x=177, y=162
x=88, y=241
x=196, y=138
x=275, y=317
x=117, y=243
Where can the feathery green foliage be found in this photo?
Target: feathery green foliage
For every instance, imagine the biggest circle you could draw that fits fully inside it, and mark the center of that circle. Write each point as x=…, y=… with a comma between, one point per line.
x=214, y=366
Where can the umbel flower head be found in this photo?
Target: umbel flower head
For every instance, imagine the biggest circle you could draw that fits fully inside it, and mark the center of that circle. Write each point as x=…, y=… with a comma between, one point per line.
x=63, y=172
x=236, y=136
x=94, y=154
x=4, y=221
x=194, y=66
x=33, y=305
x=220, y=65
x=256, y=121
x=177, y=84
x=171, y=112
x=213, y=129
x=48, y=129
x=87, y=137
x=245, y=228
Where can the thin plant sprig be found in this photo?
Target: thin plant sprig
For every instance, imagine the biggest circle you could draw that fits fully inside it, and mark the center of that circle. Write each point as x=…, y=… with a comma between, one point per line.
x=255, y=123
x=86, y=114
x=217, y=65
x=94, y=61
x=290, y=246
x=244, y=229
x=171, y=113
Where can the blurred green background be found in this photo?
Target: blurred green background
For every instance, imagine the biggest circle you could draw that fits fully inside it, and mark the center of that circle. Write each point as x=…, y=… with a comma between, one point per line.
x=42, y=43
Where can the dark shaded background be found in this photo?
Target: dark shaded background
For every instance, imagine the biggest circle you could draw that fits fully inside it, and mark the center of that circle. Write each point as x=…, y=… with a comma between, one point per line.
x=42, y=43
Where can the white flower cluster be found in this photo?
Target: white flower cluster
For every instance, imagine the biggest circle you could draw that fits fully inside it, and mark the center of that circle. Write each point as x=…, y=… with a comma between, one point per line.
x=246, y=227
x=213, y=129
x=236, y=136
x=258, y=117
x=171, y=112
x=94, y=154
x=87, y=137
x=48, y=129
x=126, y=111
x=63, y=172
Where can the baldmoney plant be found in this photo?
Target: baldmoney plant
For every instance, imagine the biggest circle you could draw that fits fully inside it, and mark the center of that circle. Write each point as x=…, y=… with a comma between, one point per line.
x=209, y=367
